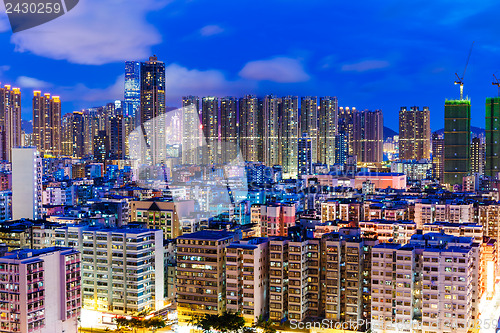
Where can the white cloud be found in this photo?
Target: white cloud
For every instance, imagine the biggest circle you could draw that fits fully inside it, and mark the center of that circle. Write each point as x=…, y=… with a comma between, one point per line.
x=279, y=69
x=182, y=81
x=32, y=83
x=3, y=69
x=210, y=30
x=365, y=65
x=95, y=32
x=82, y=93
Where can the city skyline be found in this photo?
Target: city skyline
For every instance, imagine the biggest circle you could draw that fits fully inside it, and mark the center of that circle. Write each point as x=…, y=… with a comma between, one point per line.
x=383, y=69
x=236, y=167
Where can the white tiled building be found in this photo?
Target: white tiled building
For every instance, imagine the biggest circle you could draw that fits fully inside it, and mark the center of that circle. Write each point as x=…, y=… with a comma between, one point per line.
x=426, y=285
x=247, y=274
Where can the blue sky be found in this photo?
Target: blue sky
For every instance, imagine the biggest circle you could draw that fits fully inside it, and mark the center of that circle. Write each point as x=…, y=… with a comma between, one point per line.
x=370, y=54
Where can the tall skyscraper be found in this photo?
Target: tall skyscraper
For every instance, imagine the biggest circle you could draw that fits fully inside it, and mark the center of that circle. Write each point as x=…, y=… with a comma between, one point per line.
x=47, y=123
x=210, y=121
x=26, y=183
x=327, y=130
x=492, y=136
x=229, y=129
x=72, y=142
x=368, y=135
x=438, y=156
x=271, y=130
x=305, y=155
x=152, y=120
x=457, y=116
x=289, y=135
x=309, y=122
x=477, y=156
x=414, y=133
x=115, y=132
x=10, y=121
x=191, y=132
x=91, y=128
x=345, y=122
x=101, y=147
x=251, y=128
x=132, y=96
x=340, y=149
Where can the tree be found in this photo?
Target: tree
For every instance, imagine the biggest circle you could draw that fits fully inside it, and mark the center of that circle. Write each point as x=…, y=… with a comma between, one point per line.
x=154, y=323
x=121, y=321
x=266, y=326
x=228, y=322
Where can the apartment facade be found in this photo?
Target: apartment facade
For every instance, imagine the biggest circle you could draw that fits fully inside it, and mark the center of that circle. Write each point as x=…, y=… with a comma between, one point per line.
x=40, y=290
x=201, y=273
x=247, y=278
x=424, y=286
x=123, y=270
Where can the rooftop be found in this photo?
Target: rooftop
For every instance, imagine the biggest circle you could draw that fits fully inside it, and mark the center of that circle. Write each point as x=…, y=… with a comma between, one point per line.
x=208, y=235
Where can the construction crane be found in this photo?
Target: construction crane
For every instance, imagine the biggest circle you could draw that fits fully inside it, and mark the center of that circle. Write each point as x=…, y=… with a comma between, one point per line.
x=460, y=80
x=496, y=83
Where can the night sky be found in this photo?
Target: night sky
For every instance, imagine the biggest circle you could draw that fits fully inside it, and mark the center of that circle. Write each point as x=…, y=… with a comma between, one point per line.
x=370, y=54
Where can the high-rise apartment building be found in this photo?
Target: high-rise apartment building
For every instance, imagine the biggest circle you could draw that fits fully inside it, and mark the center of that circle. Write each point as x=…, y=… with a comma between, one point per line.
x=247, y=278
x=91, y=129
x=122, y=269
x=201, y=273
x=191, y=131
x=426, y=285
x=132, y=95
x=477, y=156
x=289, y=135
x=271, y=125
x=40, y=290
x=152, y=111
x=101, y=146
x=457, y=139
x=278, y=278
x=345, y=125
x=309, y=122
x=327, y=132
x=438, y=157
x=492, y=136
x=115, y=131
x=414, y=133
x=251, y=128
x=26, y=184
x=346, y=292
x=72, y=135
x=341, y=149
x=368, y=135
x=305, y=155
x=10, y=121
x=210, y=122
x=229, y=129
x=47, y=123
x=303, y=278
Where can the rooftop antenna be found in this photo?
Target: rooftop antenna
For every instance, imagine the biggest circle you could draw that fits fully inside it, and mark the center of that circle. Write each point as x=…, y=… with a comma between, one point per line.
x=496, y=83
x=460, y=80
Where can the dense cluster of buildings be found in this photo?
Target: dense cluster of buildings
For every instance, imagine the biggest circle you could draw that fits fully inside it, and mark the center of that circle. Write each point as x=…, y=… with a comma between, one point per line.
x=280, y=208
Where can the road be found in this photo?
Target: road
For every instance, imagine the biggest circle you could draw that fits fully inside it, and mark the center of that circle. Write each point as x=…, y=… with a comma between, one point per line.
x=490, y=311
